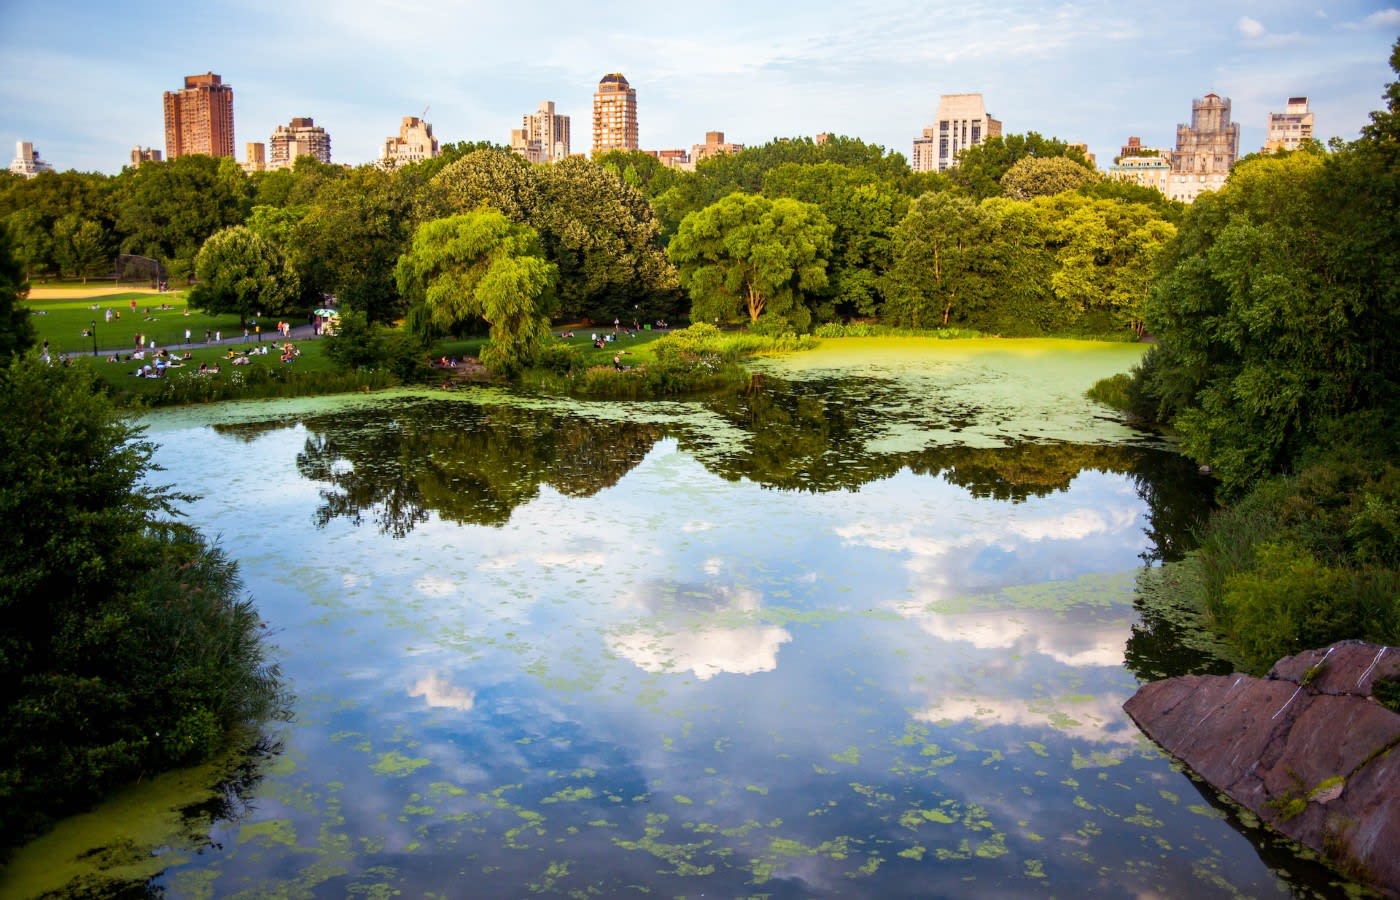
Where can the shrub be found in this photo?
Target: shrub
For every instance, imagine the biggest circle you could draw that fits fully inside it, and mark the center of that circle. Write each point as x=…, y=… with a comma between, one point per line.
x=128, y=647
x=1289, y=602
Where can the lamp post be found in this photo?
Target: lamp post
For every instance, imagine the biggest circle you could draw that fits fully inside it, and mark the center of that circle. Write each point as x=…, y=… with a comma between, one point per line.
x=93, y=331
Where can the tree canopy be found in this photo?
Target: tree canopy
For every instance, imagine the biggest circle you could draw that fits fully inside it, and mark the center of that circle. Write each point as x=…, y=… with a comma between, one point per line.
x=748, y=256
x=481, y=264
x=17, y=333
x=240, y=272
x=128, y=646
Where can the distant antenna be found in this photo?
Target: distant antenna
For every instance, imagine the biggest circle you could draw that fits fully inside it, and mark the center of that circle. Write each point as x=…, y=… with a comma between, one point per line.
x=424, y=117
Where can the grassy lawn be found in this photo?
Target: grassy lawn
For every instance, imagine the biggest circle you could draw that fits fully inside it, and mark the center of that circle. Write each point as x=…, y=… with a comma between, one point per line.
x=65, y=315
x=634, y=350
x=120, y=378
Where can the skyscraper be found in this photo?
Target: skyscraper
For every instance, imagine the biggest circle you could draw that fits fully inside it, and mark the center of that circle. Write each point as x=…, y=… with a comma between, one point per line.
x=415, y=143
x=1206, y=149
x=199, y=119
x=614, y=115
x=545, y=137
x=302, y=137
x=1290, y=128
x=27, y=163
x=962, y=121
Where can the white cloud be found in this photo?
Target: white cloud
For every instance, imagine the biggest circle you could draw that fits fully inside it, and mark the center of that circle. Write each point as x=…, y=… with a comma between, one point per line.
x=706, y=652
x=1251, y=28
x=439, y=692
x=1384, y=18
x=1099, y=720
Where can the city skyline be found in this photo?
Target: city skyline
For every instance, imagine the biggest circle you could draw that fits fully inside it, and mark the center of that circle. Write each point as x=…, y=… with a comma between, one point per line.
x=1092, y=73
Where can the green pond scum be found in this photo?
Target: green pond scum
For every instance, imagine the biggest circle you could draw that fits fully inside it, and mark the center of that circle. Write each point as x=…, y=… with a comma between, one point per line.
x=864, y=630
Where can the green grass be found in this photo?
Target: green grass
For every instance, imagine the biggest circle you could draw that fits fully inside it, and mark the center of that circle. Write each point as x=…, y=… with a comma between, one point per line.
x=117, y=377
x=64, y=321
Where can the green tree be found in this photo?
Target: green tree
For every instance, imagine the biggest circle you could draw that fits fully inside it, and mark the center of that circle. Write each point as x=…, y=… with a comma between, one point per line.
x=129, y=648
x=599, y=231
x=863, y=213
x=481, y=264
x=1275, y=311
x=17, y=332
x=350, y=240
x=1037, y=176
x=31, y=240
x=750, y=255
x=1107, y=254
x=240, y=272
x=941, y=262
x=981, y=167
x=601, y=234
x=79, y=247
x=167, y=210
x=498, y=179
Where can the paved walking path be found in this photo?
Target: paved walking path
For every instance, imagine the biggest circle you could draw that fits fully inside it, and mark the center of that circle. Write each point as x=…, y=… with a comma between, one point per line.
x=299, y=333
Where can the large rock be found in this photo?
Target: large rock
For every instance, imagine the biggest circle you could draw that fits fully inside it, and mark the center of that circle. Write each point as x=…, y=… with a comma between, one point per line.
x=1306, y=749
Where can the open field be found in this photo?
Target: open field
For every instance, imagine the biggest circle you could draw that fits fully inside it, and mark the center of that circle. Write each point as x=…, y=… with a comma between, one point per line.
x=69, y=318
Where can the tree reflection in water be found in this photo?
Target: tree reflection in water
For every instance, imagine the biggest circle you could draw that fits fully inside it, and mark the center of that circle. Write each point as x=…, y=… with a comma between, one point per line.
x=474, y=463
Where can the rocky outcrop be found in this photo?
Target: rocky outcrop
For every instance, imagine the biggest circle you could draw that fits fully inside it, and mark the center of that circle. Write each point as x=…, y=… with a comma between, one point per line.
x=1306, y=749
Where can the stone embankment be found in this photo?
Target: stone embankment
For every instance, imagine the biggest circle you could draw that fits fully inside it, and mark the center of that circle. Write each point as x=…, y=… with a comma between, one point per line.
x=1307, y=749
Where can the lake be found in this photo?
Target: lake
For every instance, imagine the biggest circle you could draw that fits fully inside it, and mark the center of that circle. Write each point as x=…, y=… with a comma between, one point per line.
x=864, y=631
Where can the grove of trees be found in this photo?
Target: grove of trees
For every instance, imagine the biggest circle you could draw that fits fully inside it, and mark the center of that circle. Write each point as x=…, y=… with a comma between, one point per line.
x=1038, y=255
x=129, y=646
x=1275, y=314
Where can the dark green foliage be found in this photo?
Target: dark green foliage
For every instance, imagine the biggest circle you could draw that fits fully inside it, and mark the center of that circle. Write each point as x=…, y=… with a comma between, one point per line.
x=594, y=227
x=1278, y=356
x=980, y=168
x=1387, y=694
x=1314, y=558
x=360, y=345
x=128, y=648
x=241, y=272
x=17, y=333
x=167, y=210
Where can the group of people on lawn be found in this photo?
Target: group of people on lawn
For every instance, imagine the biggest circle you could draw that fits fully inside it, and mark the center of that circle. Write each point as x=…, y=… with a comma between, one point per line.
x=163, y=359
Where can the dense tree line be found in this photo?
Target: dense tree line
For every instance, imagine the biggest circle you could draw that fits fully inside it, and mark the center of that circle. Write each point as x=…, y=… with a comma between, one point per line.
x=1276, y=314
x=129, y=646
x=865, y=224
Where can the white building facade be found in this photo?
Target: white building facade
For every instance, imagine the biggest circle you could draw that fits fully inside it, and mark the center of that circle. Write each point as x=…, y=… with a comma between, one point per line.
x=27, y=163
x=544, y=137
x=962, y=121
x=414, y=143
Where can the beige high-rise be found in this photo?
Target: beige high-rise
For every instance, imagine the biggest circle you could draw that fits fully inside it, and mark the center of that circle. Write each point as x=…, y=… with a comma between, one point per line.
x=1206, y=149
x=545, y=137
x=962, y=121
x=614, y=115
x=199, y=119
x=1290, y=128
x=302, y=137
x=415, y=143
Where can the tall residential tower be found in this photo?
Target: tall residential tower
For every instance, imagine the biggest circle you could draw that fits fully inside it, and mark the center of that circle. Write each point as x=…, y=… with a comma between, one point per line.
x=199, y=119
x=415, y=143
x=1290, y=128
x=962, y=121
x=302, y=137
x=545, y=137
x=614, y=115
x=1206, y=149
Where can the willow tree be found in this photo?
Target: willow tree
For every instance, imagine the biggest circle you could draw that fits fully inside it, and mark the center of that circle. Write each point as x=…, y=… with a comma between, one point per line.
x=750, y=255
x=482, y=265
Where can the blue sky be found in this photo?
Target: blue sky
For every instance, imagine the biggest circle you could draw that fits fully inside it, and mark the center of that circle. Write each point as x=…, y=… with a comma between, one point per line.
x=83, y=79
